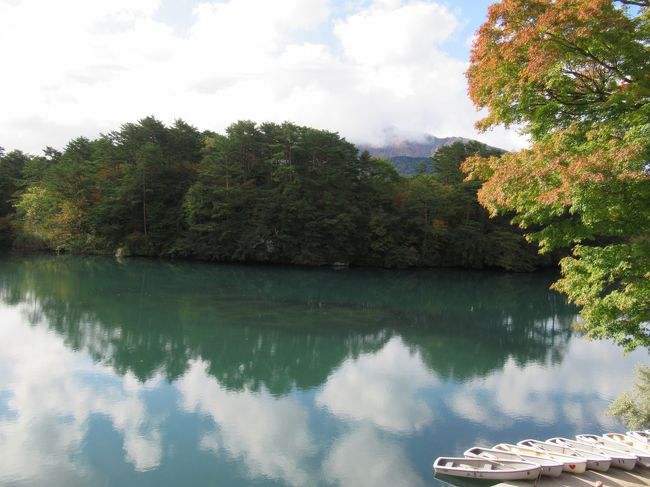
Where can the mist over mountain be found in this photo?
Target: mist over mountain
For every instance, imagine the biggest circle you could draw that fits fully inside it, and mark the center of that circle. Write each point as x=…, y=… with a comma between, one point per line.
x=416, y=148
x=411, y=155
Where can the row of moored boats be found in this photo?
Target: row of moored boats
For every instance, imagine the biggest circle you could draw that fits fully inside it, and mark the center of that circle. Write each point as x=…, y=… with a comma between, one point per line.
x=529, y=459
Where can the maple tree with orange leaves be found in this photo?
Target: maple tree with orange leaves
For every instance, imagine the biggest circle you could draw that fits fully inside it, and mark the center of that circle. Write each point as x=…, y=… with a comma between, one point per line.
x=575, y=76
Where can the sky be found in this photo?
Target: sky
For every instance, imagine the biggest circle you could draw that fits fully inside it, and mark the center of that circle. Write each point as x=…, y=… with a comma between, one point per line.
x=371, y=70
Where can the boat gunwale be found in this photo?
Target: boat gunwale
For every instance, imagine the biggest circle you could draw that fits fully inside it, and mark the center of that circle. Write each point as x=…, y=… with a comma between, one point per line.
x=640, y=435
x=612, y=452
x=551, y=462
x=507, y=473
x=504, y=463
x=566, y=459
x=599, y=457
x=626, y=440
x=534, y=442
x=641, y=456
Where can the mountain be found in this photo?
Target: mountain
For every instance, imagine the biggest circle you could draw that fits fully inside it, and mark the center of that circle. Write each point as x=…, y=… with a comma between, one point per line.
x=408, y=155
x=424, y=147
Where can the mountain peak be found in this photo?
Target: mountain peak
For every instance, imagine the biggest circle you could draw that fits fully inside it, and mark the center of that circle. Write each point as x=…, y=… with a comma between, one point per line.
x=408, y=154
x=422, y=147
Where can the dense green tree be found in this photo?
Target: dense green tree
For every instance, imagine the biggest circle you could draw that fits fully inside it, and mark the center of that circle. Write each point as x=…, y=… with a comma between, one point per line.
x=11, y=169
x=268, y=192
x=124, y=189
x=442, y=223
x=156, y=166
x=278, y=193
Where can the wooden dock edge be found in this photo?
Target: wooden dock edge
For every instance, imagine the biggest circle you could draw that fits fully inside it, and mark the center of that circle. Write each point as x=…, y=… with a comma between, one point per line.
x=612, y=478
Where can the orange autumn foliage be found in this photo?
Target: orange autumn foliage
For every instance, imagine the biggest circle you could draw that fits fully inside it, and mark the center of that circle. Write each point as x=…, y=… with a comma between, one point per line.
x=575, y=76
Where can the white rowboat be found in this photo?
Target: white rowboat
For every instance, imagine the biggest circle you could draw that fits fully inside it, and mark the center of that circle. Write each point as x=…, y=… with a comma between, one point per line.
x=482, y=468
x=549, y=467
x=642, y=456
x=640, y=435
x=621, y=460
x=628, y=441
x=569, y=464
x=595, y=461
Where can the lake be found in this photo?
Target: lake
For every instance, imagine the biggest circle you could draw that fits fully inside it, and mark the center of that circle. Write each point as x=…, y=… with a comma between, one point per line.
x=154, y=373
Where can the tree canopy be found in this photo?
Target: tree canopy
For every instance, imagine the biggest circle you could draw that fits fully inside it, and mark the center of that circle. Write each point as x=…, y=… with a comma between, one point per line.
x=575, y=76
x=277, y=193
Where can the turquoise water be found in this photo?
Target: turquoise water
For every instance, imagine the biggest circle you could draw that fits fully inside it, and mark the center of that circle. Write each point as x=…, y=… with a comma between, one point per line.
x=166, y=374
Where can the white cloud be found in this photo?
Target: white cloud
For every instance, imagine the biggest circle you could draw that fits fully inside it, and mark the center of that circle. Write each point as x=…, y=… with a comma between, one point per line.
x=382, y=389
x=269, y=434
x=78, y=67
x=390, y=32
x=253, y=27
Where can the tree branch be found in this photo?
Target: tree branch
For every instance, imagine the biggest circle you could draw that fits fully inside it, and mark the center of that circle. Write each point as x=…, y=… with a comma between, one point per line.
x=638, y=3
x=589, y=54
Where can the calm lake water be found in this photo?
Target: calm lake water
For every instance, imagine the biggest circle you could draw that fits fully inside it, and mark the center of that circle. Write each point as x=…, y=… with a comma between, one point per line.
x=152, y=373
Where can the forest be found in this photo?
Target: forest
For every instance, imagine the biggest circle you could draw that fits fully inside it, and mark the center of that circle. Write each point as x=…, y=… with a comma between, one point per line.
x=276, y=193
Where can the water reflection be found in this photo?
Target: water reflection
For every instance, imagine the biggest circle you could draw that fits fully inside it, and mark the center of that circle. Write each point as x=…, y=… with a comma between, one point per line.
x=281, y=328
x=363, y=458
x=546, y=395
x=174, y=374
x=382, y=388
x=270, y=435
x=52, y=392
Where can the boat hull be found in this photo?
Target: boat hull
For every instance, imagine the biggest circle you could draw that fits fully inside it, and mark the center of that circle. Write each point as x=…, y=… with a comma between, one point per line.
x=639, y=448
x=485, y=475
x=642, y=457
x=449, y=466
x=572, y=464
x=549, y=471
x=603, y=461
x=599, y=465
x=624, y=463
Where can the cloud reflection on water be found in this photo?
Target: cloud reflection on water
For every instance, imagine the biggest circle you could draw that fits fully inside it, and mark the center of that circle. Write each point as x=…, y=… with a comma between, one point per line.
x=572, y=391
x=52, y=392
x=270, y=435
x=382, y=388
x=363, y=458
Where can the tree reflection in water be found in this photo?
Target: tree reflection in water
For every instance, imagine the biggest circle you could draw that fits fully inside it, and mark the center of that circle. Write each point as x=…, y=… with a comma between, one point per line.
x=283, y=375
x=281, y=327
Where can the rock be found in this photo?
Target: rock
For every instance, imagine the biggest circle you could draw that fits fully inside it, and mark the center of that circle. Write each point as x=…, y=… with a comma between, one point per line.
x=121, y=252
